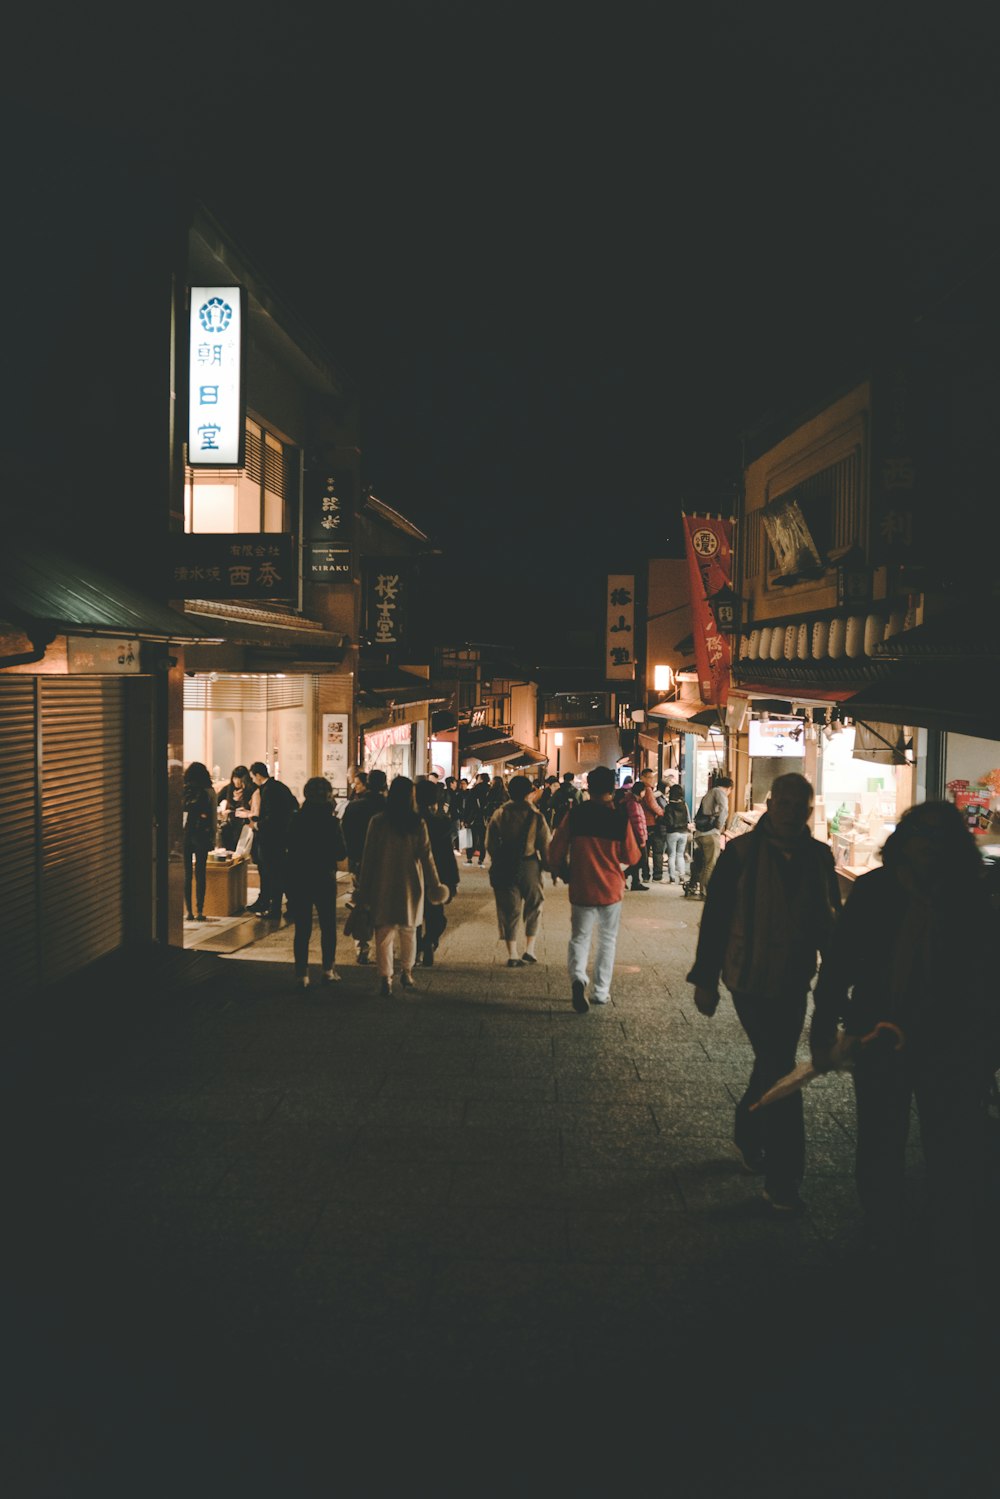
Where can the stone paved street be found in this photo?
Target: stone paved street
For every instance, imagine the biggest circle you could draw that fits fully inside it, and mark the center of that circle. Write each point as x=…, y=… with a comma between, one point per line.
x=261, y=1234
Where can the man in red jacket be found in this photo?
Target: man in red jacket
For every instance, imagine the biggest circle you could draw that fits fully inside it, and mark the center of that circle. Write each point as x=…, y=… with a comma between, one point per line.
x=598, y=840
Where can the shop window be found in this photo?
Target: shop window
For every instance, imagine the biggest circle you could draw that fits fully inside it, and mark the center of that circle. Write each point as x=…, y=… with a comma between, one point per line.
x=249, y=499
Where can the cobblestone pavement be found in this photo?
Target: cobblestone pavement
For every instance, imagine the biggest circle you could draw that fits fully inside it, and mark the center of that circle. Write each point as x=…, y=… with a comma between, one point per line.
x=255, y=1224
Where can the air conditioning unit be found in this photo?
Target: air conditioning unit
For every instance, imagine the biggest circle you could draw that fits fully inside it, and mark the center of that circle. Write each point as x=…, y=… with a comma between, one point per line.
x=588, y=750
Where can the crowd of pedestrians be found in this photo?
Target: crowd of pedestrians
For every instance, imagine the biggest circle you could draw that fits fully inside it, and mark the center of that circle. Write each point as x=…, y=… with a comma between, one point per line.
x=903, y=997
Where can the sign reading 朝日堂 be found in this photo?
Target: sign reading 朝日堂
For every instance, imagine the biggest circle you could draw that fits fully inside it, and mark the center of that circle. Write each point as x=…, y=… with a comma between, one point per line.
x=216, y=418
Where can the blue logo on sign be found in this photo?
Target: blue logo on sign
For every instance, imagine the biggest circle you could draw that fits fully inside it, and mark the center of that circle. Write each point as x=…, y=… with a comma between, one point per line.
x=215, y=316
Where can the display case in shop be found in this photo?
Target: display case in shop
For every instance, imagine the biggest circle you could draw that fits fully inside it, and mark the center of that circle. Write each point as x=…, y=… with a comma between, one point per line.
x=225, y=884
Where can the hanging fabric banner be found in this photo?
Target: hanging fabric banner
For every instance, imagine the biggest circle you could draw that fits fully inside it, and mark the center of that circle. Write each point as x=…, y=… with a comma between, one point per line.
x=708, y=541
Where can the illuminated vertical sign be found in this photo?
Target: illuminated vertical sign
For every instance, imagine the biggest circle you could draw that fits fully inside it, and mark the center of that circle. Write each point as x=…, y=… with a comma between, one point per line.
x=216, y=418
x=619, y=636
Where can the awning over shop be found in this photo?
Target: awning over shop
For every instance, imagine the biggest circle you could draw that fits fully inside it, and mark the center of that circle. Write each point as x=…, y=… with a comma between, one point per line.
x=693, y=717
x=961, y=700
x=45, y=594
x=527, y=758
x=387, y=685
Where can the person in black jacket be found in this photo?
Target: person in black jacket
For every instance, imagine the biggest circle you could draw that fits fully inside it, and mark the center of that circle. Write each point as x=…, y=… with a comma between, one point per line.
x=200, y=810
x=429, y=795
x=234, y=804
x=357, y=815
x=314, y=847
x=275, y=806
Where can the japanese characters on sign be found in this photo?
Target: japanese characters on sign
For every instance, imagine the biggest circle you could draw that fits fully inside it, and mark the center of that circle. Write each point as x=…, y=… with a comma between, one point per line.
x=216, y=416
x=335, y=750
x=619, y=637
x=92, y=656
x=329, y=505
x=253, y=565
x=708, y=540
x=386, y=592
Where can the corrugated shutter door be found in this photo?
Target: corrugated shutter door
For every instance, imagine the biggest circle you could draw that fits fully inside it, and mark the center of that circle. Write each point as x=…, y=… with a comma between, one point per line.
x=82, y=822
x=18, y=828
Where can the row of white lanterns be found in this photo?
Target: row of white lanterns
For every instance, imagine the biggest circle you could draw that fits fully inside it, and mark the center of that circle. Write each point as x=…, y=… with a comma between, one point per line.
x=823, y=639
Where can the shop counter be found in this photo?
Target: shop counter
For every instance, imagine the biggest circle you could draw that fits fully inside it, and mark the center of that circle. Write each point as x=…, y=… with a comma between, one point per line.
x=226, y=886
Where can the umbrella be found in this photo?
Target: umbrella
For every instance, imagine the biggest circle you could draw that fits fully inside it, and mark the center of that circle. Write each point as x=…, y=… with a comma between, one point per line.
x=842, y=1056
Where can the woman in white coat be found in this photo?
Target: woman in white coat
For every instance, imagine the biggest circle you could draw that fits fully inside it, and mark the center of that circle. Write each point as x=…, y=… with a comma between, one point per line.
x=397, y=875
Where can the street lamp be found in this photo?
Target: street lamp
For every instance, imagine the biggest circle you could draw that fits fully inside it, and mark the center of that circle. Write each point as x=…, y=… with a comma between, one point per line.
x=559, y=742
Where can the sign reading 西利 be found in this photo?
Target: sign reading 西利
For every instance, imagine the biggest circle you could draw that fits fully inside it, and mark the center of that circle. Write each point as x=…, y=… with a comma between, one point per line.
x=619, y=637
x=252, y=565
x=709, y=546
x=216, y=416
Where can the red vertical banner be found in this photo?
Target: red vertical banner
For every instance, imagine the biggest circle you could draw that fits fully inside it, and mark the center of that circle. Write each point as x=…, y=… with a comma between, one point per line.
x=708, y=541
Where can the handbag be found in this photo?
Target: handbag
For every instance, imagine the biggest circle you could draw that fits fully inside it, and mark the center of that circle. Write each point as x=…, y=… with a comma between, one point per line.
x=464, y=838
x=359, y=924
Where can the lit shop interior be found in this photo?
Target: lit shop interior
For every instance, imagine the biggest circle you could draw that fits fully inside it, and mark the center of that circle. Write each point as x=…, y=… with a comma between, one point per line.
x=864, y=775
x=232, y=720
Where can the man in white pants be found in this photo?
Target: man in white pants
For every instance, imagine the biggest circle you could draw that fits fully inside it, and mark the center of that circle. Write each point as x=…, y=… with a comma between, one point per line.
x=597, y=840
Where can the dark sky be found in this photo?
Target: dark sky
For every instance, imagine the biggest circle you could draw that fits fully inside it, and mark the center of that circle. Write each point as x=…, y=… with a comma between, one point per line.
x=568, y=252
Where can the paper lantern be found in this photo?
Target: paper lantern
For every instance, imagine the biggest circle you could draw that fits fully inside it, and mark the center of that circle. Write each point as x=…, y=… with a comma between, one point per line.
x=820, y=639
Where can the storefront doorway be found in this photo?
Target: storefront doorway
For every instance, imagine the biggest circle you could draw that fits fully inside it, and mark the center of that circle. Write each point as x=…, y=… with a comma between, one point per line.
x=233, y=720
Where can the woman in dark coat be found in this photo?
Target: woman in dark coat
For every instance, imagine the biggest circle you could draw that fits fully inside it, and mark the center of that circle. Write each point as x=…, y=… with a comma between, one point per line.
x=200, y=810
x=439, y=829
x=315, y=846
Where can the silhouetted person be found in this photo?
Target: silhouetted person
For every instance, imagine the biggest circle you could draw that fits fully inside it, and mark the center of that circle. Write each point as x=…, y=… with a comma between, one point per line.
x=397, y=877
x=358, y=813
x=200, y=809
x=768, y=913
x=430, y=795
x=911, y=947
x=315, y=846
x=709, y=824
x=275, y=807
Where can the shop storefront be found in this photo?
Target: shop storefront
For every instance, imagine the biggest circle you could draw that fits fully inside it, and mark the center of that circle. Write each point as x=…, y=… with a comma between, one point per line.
x=392, y=749
x=235, y=719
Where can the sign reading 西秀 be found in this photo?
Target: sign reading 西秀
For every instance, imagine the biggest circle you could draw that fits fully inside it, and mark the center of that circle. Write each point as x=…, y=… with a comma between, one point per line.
x=252, y=565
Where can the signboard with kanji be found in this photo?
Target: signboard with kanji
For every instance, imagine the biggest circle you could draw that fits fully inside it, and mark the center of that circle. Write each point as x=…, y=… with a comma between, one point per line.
x=216, y=401
x=256, y=565
x=619, y=635
x=385, y=602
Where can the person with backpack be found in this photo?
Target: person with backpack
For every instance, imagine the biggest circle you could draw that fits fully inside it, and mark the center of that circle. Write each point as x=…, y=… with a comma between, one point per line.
x=564, y=797
x=709, y=824
x=676, y=823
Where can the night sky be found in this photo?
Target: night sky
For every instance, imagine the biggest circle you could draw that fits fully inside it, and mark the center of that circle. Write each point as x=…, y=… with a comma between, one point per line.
x=567, y=254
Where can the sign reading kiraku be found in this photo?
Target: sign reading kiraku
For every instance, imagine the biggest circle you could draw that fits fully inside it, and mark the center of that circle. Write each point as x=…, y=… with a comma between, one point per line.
x=329, y=507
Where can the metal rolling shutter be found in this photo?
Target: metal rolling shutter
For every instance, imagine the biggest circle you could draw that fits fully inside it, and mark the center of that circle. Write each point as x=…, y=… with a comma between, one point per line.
x=82, y=822
x=18, y=828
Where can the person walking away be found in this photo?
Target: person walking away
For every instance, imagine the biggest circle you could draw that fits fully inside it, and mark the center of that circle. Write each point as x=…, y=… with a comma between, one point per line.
x=909, y=948
x=200, y=809
x=496, y=797
x=597, y=839
x=632, y=807
x=564, y=797
x=358, y=813
x=275, y=806
x=429, y=804
x=397, y=877
x=768, y=914
x=450, y=805
x=544, y=803
x=709, y=823
x=517, y=841
x=474, y=817
x=313, y=849
x=677, y=825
